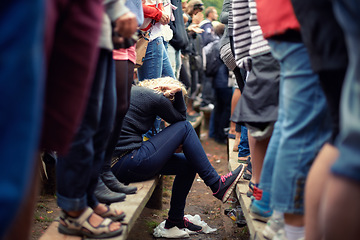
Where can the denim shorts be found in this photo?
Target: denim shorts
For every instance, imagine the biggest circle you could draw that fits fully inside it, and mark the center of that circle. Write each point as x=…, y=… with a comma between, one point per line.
x=348, y=143
x=305, y=126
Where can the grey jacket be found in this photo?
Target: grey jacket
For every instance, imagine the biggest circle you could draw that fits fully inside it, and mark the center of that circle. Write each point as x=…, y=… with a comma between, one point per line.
x=224, y=18
x=113, y=10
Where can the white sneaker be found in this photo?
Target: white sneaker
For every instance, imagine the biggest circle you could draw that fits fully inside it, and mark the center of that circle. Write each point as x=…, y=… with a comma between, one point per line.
x=207, y=108
x=273, y=226
x=280, y=235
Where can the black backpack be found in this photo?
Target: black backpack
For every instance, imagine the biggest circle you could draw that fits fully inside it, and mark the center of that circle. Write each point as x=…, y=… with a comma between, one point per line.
x=213, y=61
x=180, y=38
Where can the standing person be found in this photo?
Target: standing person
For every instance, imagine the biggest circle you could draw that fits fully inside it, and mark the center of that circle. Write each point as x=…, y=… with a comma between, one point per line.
x=125, y=59
x=331, y=67
x=78, y=171
x=193, y=58
x=139, y=160
x=257, y=108
x=156, y=62
x=343, y=186
x=241, y=144
x=21, y=96
x=303, y=118
x=208, y=36
x=209, y=33
x=156, y=19
x=217, y=71
x=180, y=39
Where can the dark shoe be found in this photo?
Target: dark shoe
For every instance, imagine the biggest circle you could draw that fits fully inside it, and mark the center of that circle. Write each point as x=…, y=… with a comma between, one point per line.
x=227, y=183
x=240, y=218
x=248, y=169
x=114, y=185
x=105, y=195
x=185, y=223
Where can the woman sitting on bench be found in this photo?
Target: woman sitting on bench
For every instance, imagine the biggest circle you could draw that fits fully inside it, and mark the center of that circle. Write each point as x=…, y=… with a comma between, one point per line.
x=137, y=160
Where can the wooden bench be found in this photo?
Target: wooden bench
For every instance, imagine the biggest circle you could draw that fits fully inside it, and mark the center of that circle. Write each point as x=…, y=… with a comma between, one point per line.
x=149, y=194
x=197, y=124
x=132, y=206
x=255, y=227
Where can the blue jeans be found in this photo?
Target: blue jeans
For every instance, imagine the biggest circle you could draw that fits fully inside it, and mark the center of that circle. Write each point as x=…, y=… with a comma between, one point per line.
x=21, y=100
x=156, y=62
x=156, y=156
x=348, y=163
x=303, y=126
x=77, y=172
x=243, y=146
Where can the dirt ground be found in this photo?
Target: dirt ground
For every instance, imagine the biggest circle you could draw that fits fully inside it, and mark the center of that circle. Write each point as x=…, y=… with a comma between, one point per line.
x=199, y=201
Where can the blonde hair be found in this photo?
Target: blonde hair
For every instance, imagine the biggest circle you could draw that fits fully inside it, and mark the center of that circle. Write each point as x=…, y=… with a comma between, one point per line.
x=156, y=83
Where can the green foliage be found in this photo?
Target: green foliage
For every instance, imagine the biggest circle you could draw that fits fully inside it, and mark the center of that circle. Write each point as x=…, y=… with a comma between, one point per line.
x=214, y=3
x=151, y=225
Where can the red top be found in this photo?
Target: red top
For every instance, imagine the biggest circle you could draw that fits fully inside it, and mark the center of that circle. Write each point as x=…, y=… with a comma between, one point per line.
x=276, y=16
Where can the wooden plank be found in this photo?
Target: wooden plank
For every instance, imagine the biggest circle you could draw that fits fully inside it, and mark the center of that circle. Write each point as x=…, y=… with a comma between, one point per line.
x=197, y=124
x=132, y=206
x=135, y=203
x=255, y=227
x=198, y=120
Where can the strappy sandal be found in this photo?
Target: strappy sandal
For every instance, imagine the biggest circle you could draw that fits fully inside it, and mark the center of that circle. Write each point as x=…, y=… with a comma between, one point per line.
x=112, y=214
x=248, y=170
x=81, y=226
x=244, y=160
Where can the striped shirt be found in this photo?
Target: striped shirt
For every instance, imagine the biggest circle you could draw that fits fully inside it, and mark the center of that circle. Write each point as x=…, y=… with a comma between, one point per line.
x=241, y=33
x=259, y=45
x=248, y=38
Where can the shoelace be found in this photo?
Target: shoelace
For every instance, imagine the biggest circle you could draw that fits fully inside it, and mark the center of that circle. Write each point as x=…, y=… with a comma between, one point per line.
x=224, y=177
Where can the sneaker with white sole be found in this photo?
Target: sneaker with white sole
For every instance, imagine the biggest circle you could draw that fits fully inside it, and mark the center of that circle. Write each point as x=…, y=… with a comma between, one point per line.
x=273, y=226
x=280, y=235
x=260, y=207
x=228, y=182
x=183, y=224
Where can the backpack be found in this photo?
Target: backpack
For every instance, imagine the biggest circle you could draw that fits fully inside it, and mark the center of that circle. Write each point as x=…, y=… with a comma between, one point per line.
x=180, y=38
x=212, y=55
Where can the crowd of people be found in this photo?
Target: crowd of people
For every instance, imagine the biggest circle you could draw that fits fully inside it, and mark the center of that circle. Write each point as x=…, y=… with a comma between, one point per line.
x=281, y=77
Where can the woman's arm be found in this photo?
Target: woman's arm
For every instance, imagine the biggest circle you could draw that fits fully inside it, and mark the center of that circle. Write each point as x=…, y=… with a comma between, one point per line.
x=170, y=111
x=152, y=12
x=224, y=16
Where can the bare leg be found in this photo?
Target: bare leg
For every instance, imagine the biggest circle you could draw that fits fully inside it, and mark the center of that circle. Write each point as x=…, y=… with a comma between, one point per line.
x=257, y=150
x=314, y=190
x=340, y=209
x=296, y=220
x=234, y=100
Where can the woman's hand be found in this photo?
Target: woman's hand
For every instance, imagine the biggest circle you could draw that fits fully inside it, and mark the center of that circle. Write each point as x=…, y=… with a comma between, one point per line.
x=126, y=25
x=165, y=19
x=169, y=89
x=195, y=28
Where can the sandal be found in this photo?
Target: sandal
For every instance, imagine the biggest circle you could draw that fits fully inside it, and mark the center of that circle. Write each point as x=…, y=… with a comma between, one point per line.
x=80, y=226
x=112, y=214
x=248, y=170
x=244, y=160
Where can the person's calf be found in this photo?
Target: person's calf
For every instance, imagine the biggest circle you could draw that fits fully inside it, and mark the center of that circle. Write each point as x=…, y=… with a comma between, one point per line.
x=340, y=210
